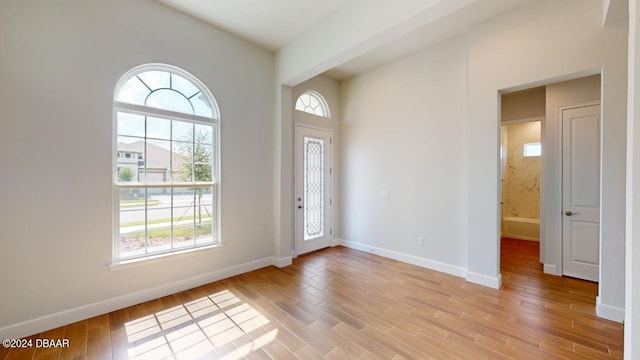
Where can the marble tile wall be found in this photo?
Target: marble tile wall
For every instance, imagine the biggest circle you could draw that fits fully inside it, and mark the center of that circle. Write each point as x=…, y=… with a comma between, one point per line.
x=521, y=175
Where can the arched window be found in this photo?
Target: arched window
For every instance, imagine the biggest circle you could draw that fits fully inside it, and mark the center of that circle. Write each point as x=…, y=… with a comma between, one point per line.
x=166, y=172
x=313, y=103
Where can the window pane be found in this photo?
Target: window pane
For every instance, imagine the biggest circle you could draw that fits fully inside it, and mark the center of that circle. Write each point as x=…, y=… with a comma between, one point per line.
x=171, y=100
x=182, y=131
x=182, y=85
x=133, y=92
x=532, y=149
x=132, y=220
x=204, y=215
x=158, y=128
x=130, y=124
x=158, y=161
x=202, y=162
x=159, y=219
x=202, y=172
x=183, y=217
x=313, y=102
x=201, y=107
x=181, y=162
x=155, y=79
x=204, y=134
x=305, y=100
x=130, y=159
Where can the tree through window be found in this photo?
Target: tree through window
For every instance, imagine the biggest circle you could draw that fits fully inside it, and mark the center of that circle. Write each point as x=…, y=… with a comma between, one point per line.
x=167, y=188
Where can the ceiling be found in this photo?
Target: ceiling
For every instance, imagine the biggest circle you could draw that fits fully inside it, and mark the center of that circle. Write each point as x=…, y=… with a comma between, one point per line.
x=269, y=23
x=274, y=24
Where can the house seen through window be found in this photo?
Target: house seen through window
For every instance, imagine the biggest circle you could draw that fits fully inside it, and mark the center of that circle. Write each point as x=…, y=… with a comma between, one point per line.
x=166, y=163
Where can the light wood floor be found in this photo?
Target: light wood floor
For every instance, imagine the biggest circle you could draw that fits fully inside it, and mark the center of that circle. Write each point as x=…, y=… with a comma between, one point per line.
x=344, y=304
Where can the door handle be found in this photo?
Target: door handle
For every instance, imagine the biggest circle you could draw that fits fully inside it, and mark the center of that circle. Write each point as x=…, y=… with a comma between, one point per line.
x=299, y=206
x=569, y=213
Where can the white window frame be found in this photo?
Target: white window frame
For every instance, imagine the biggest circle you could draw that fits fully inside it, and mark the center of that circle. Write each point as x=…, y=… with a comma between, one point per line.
x=301, y=106
x=213, y=121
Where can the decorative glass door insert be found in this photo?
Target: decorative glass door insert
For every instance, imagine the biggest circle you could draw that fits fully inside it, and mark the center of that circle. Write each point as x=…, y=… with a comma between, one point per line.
x=313, y=188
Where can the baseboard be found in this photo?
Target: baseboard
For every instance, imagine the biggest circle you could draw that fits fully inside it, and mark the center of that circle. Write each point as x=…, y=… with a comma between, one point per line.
x=69, y=316
x=336, y=242
x=282, y=262
x=411, y=259
x=609, y=312
x=551, y=270
x=484, y=280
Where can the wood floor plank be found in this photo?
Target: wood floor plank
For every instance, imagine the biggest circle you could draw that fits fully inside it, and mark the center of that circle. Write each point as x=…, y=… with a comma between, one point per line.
x=76, y=333
x=340, y=303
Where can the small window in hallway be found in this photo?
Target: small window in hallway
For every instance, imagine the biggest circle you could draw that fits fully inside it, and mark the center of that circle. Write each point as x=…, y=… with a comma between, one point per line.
x=532, y=149
x=313, y=103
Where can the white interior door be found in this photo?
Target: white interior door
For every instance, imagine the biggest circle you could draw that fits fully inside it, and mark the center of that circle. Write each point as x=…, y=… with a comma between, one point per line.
x=313, y=188
x=581, y=192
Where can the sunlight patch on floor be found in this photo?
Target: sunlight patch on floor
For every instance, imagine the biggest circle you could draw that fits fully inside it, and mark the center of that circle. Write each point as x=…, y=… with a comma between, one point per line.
x=220, y=323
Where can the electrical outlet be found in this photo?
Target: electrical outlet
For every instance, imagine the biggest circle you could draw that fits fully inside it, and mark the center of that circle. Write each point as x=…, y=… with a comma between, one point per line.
x=420, y=241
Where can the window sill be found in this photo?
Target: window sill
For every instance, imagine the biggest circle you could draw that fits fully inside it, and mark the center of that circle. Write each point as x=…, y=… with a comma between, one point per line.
x=152, y=259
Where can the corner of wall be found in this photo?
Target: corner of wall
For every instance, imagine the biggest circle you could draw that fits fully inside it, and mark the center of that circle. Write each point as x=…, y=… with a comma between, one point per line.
x=609, y=312
x=494, y=282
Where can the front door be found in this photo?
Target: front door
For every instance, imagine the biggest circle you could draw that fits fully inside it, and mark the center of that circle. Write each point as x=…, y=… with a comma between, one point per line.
x=581, y=192
x=313, y=188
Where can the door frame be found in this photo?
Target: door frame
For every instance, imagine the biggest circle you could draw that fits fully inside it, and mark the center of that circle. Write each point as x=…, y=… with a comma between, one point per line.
x=559, y=201
x=329, y=217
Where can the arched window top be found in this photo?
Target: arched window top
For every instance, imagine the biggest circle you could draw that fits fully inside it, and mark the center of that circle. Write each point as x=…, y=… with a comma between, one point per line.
x=313, y=103
x=166, y=87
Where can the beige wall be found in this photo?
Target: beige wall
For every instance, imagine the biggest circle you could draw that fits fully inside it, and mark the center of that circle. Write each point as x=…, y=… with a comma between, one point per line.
x=402, y=129
x=61, y=61
x=523, y=104
x=521, y=186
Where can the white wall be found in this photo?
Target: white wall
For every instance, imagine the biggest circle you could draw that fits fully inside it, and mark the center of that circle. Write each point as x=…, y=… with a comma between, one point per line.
x=544, y=42
x=402, y=128
x=632, y=300
x=59, y=62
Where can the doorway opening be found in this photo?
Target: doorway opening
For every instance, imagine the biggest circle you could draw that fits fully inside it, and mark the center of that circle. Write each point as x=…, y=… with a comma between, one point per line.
x=522, y=117
x=550, y=164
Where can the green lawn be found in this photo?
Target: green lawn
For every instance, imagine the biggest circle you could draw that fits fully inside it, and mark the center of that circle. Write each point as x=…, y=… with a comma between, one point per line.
x=180, y=233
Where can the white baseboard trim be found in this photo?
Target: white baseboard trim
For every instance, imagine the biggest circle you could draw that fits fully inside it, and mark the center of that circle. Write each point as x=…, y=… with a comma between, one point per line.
x=282, y=262
x=484, y=280
x=551, y=270
x=69, y=316
x=336, y=242
x=609, y=312
x=411, y=259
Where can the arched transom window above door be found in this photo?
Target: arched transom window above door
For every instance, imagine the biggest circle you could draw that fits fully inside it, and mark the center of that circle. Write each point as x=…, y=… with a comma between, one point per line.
x=313, y=103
